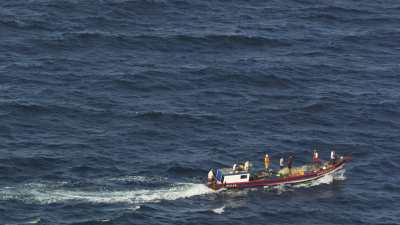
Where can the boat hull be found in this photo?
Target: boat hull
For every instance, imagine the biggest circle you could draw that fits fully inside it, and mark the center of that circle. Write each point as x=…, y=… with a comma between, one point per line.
x=315, y=175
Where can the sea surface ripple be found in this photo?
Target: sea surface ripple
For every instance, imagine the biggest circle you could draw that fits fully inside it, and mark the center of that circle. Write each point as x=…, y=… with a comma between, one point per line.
x=113, y=111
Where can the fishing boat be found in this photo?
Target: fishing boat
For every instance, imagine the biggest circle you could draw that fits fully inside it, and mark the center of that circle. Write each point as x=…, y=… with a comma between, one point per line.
x=235, y=178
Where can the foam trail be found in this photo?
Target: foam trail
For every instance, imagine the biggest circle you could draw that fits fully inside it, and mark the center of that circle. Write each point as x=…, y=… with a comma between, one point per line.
x=135, y=179
x=42, y=194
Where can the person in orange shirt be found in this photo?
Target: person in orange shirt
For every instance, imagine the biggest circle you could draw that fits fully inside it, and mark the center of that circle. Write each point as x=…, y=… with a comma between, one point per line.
x=266, y=161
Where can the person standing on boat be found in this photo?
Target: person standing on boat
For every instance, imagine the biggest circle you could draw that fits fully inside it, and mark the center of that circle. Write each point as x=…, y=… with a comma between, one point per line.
x=210, y=176
x=281, y=163
x=315, y=156
x=290, y=162
x=266, y=161
x=247, y=166
x=333, y=156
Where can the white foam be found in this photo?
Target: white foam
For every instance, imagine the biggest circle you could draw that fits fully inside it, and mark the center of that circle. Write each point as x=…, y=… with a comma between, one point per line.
x=42, y=194
x=327, y=179
x=219, y=210
x=140, y=179
x=129, y=178
x=35, y=221
x=339, y=175
x=136, y=208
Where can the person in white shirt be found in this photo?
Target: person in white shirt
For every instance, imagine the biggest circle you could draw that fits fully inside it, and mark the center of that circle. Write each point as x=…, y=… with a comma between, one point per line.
x=315, y=156
x=333, y=156
x=281, y=163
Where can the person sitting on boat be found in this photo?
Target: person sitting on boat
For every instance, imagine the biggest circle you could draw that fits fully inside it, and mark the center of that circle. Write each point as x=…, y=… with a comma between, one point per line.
x=281, y=163
x=266, y=161
x=315, y=157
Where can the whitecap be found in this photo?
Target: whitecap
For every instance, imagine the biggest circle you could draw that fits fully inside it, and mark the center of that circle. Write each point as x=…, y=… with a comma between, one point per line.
x=339, y=175
x=219, y=210
x=35, y=221
x=138, y=179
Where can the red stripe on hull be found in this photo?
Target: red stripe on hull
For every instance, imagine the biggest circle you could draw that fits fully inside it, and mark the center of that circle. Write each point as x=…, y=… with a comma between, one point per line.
x=281, y=181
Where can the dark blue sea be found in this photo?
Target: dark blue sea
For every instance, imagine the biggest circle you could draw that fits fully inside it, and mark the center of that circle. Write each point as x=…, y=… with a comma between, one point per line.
x=114, y=111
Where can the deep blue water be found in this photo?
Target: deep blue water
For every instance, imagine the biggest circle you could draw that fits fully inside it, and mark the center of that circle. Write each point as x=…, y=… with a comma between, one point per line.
x=113, y=111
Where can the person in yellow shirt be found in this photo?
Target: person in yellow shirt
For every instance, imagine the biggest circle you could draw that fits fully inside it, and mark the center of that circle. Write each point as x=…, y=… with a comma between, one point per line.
x=266, y=161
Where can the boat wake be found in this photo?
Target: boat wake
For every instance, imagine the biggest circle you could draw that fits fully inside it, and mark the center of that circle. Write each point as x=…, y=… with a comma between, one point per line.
x=44, y=193
x=61, y=192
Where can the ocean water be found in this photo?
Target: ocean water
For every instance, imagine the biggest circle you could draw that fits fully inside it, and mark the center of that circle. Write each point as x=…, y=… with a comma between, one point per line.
x=113, y=111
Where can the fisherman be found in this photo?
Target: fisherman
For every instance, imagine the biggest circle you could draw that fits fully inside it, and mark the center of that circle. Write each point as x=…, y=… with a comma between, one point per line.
x=315, y=158
x=281, y=163
x=247, y=166
x=290, y=162
x=333, y=156
x=210, y=176
x=240, y=167
x=234, y=167
x=266, y=161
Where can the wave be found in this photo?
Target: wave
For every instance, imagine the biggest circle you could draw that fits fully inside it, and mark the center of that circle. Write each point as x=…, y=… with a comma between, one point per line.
x=135, y=180
x=219, y=210
x=323, y=17
x=133, y=4
x=317, y=107
x=178, y=42
x=48, y=108
x=44, y=194
x=29, y=165
x=155, y=115
x=150, y=80
x=28, y=107
x=185, y=171
x=28, y=221
x=253, y=78
x=335, y=12
x=228, y=40
x=381, y=38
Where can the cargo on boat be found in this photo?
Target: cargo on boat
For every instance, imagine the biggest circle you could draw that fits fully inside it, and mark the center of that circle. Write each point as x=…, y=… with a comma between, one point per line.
x=243, y=177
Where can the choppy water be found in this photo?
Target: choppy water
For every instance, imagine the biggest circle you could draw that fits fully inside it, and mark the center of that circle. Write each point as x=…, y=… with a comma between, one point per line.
x=113, y=111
